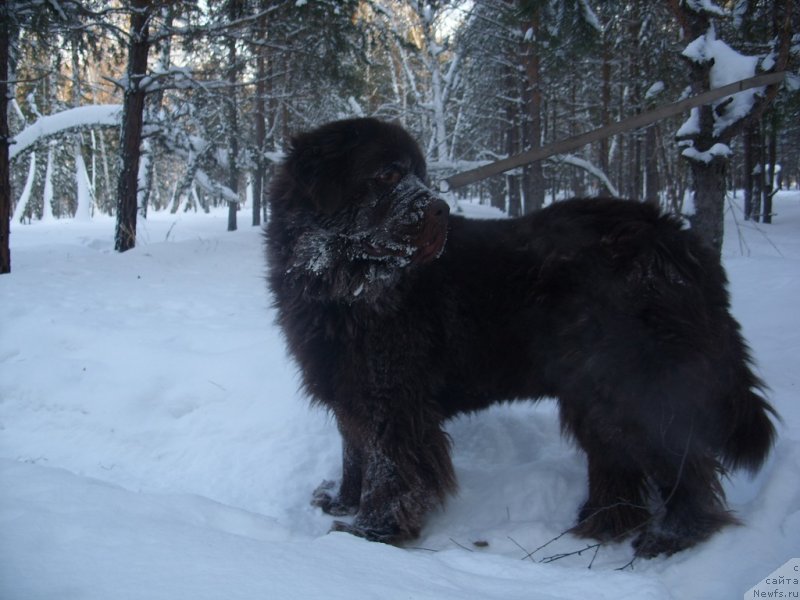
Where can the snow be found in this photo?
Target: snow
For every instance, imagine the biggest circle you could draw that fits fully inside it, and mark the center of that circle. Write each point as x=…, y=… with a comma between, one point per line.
x=47, y=194
x=722, y=150
x=582, y=163
x=691, y=126
x=654, y=90
x=22, y=202
x=529, y=35
x=94, y=114
x=83, y=187
x=688, y=209
x=356, y=109
x=153, y=443
x=768, y=62
x=707, y=6
x=590, y=17
x=729, y=66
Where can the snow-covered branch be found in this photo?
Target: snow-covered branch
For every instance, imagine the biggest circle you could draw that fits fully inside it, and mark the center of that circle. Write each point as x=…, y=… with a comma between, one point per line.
x=95, y=115
x=591, y=169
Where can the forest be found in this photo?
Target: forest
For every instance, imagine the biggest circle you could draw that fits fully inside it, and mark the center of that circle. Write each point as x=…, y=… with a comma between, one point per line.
x=156, y=441
x=122, y=108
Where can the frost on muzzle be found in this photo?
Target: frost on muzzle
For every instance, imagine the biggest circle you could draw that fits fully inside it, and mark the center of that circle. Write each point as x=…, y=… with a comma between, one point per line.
x=415, y=226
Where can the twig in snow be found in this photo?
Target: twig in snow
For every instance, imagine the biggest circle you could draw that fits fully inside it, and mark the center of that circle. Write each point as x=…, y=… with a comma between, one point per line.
x=555, y=557
x=521, y=547
x=461, y=545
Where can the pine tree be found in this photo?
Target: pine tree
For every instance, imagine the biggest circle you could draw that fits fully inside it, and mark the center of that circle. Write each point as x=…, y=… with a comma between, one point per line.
x=711, y=129
x=132, y=124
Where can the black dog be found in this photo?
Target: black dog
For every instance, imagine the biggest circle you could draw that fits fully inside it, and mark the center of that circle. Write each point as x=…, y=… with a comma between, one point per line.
x=402, y=316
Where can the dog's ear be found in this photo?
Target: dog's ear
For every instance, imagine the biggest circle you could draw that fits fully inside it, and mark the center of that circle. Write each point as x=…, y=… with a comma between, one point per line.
x=320, y=163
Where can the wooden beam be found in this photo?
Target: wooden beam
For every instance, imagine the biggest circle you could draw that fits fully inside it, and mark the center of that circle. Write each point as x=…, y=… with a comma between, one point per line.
x=636, y=121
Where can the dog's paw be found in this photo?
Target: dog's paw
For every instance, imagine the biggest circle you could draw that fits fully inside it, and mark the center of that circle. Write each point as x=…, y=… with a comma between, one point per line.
x=651, y=544
x=330, y=502
x=673, y=534
x=368, y=533
x=609, y=523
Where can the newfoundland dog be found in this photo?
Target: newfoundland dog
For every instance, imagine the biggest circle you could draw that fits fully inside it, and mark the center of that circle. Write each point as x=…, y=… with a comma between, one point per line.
x=401, y=315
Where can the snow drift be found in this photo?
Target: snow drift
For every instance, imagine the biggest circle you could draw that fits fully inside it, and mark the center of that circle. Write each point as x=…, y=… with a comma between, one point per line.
x=153, y=443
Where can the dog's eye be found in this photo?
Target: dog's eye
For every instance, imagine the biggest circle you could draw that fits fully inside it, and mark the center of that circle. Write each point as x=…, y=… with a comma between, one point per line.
x=389, y=176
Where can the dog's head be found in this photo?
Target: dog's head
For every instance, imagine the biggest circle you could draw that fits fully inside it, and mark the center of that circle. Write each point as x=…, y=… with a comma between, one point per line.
x=351, y=200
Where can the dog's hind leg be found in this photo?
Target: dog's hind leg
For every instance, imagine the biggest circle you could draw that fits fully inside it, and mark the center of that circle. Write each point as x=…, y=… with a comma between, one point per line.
x=687, y=501
x=701, y=433
x=616, y=507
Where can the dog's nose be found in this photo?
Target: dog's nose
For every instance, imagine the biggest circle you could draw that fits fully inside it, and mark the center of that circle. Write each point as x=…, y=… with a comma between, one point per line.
x=438, y=209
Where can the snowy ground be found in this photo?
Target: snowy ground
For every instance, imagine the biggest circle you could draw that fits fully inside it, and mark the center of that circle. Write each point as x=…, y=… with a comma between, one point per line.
x=153, y=443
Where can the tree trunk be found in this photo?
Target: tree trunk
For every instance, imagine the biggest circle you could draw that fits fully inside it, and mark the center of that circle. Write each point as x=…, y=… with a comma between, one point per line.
x=759, y=170
x=651, y=182
x=750, y=145
x=233, y=124
x=577, y=176
x=618, y=148
x=514, y=196
x=132, y=120
x=259, y=116
x=512, y=180
x=534, y=175
x=145, y=178
x=258, y=175
x=695, y=22
x=709, y=185
x=47, y=196
x=106, y=174
x=148, y=186
x=496, y=190
x=512, y=134
x=634, y=182
x=605, y=105
x=709, y=177
x=772, y=157
x=83, y=187
x=5, y=175
x=709, y=201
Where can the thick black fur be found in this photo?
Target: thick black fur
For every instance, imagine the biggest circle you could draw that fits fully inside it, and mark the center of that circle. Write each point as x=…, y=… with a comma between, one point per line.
x=608, y=306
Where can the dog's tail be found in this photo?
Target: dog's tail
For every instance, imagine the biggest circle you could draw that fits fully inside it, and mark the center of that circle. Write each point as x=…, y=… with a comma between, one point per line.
x=752, y=432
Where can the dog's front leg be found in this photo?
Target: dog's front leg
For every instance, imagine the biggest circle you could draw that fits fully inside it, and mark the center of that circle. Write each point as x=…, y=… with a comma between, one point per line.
x=406, y=471
x=346, y=501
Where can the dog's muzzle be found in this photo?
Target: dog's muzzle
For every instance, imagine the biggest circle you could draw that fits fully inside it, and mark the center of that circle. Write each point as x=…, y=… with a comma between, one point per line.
x=416, y=226
x=433, y=232
x=426, y=214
